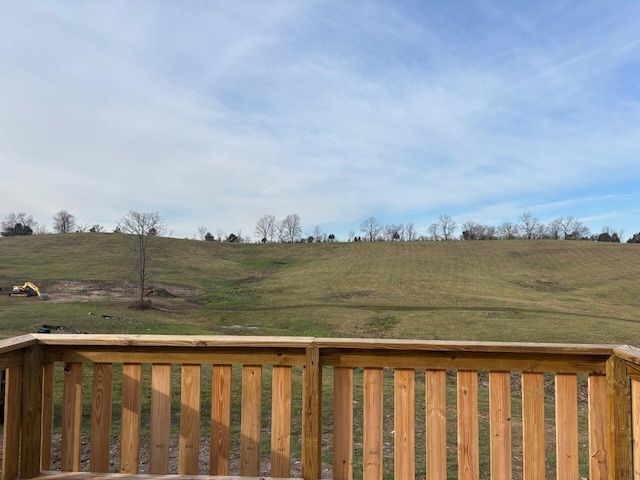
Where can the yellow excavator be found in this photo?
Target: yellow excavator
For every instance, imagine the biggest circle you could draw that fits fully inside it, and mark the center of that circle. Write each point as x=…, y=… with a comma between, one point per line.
x=27, y=290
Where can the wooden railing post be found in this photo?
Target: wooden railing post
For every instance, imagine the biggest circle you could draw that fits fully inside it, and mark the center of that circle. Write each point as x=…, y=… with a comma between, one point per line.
x=31, y=412
x=618, y=419
x=312, y=415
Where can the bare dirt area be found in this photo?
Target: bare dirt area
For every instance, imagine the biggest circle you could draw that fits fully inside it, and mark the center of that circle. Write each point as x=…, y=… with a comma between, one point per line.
x=91, y=291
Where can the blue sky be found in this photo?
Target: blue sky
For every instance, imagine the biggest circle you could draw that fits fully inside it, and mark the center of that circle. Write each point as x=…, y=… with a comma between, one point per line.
x=216, y=113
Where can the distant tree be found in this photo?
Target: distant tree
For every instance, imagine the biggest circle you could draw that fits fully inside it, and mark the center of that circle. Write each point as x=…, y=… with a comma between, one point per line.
x=202, y=232
x=142, y=227
x=446, y=227
x=291, y=227
x=529, y=225
x=208, y=237
x=17, y=224
x=332, y=237
x=352, y=235
x=266, y=227
x=233, y=238
x=411, y=232
x=96, y=228
x=508, y=231
x=371, y=228
x=63, y=222
x=432, y=230
x=310, y=239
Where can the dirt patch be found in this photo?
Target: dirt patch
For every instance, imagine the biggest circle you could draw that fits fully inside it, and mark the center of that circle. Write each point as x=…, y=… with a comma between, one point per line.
x=89, y=291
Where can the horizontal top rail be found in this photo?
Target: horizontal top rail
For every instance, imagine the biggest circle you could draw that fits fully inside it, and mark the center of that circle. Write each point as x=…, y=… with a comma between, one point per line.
x=86, y=340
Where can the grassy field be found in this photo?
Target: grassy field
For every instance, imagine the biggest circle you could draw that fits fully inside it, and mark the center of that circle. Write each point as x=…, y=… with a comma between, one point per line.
x=542, y=291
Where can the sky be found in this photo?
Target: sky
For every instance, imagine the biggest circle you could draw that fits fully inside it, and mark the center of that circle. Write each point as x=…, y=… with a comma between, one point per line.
x=215, y=113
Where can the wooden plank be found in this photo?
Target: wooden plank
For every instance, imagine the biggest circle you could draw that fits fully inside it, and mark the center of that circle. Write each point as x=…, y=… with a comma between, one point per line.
x=183, y=355
x=194, y=342
x=46, y=439
x=160, y=419
x=71, y=417
x=436, y=423
x=130, y=419
x=463, y=346
x=343, y=423
x=372, y=433
x=533, y=440
x=635, y=428
x=12, y=415
x=492, y=361
x=597, y=392
x=31, y=412
x=101, y=417
x=468, y=437
x=251, y=420
x=566, y=425
x=617, y=419
x=189, y=448
x=500, y=425
x=312, y=415
x=281, y=422
x=220, y=420
x=404, y=418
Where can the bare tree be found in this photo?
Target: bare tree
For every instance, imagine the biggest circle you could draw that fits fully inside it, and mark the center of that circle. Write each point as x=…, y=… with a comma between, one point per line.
x=63, y=222
x=291, y=227
x=371, y=228
x=529, y=225
x=508, y=230
x=266, y=227
x=411, y=232
x=142, y=227
x=202, y=232
x=446, y=226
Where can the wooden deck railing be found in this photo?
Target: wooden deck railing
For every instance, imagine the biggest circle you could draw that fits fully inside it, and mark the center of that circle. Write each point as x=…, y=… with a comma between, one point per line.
x=424, y=409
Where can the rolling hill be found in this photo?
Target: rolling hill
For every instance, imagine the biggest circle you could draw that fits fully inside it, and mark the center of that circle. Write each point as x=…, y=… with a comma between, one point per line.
x=551, y=291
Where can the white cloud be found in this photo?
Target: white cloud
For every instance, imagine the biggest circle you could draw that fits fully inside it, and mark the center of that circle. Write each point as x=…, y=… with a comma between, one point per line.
x=336, y=111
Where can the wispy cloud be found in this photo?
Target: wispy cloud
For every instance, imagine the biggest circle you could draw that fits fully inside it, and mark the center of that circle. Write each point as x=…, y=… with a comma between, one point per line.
x=219, y=113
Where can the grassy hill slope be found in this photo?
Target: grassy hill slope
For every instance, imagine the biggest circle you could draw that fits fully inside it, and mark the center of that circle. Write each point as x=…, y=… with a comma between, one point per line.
x=555, y=291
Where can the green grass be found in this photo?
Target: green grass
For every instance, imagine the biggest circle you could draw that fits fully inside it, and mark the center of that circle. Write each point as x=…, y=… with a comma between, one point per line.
x=547, y=291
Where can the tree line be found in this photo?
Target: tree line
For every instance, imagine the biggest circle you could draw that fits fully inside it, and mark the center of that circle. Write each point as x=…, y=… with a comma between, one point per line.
x=269, y=229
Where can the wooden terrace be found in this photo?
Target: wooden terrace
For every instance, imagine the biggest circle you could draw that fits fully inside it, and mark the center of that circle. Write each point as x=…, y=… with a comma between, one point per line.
x=283, y=407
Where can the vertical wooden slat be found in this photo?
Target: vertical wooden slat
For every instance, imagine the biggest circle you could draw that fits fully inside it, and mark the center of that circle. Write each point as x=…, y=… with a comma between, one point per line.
x=404, y=418
x=567, y=425
x=312, y=415
x=597, y=427
x=635, y=426
x=533, y=443
x=130, y=420
x=342, y=423
x=500, y=425
x=189, y=449
x=31, y=412
x=12, y=414
x=372, y=432
x=101, y=417
x=617, y=419
x=160, y=419
x=281, y=422
x=220, y=420
x=46, y=440
x=71, y=417
x=251, y=419
x=468, y=448
x=436, y=423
